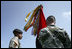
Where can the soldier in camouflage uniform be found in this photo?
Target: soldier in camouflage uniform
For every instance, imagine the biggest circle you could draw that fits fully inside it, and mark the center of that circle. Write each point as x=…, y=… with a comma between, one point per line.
x=14, y=42
x=53, y=36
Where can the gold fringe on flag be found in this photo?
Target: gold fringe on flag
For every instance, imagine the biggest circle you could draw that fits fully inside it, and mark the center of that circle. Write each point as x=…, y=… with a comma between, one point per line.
x=33, y=23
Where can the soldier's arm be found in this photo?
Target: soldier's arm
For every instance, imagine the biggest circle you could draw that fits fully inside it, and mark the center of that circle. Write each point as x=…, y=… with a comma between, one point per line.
x=67, y=41
x=12, y=44
x=43, y=35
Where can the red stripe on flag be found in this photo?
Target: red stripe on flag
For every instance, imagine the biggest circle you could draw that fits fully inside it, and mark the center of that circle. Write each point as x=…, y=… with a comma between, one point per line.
x=42, y=21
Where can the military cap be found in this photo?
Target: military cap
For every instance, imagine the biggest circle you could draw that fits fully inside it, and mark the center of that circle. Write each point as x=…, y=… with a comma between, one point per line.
x=17, y=31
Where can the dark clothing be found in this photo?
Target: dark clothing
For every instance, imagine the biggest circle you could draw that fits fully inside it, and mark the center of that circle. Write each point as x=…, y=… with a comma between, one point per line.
x=38, y=45
x=54, y=37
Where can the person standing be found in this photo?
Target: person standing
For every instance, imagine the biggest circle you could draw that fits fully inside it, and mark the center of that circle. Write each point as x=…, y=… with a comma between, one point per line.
x=53, y=36
x=14, y=42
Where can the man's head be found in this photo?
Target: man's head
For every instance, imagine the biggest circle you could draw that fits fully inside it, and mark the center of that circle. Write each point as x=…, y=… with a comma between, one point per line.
x=17, y=33
x=50, y=20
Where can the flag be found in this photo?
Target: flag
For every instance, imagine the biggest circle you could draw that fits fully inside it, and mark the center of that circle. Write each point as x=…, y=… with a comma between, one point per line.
x=37, y=20
x=42, y=21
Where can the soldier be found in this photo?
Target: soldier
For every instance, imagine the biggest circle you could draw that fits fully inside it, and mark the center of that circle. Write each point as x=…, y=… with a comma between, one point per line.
x=14, y=42
x=53, y=36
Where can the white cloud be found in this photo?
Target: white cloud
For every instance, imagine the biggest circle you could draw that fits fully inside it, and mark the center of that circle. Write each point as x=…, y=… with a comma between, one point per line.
x=66, y=14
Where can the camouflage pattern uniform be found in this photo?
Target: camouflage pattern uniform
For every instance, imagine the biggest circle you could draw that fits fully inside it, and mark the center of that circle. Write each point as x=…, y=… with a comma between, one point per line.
x=14, y=43
x=54, y=37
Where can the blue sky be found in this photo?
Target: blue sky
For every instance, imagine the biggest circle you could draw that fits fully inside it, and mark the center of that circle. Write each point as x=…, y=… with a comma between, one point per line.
x=13, y=15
